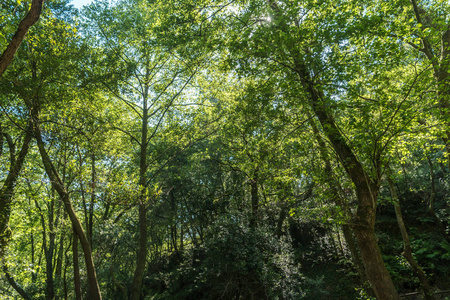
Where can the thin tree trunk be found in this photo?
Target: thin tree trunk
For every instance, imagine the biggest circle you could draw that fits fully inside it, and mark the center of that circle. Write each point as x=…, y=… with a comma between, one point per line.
x=31, y=18
x=91, y=203
x=50, y=288
x=181, y=237
x=341, y=245
x=49, y=250
x=142, y=250
x=173, y=228
x=76, y=267
x=7, y=190
x=255, y=199
x=366, y=193
x=58, y=185
x=407, y=251
x=356, y=258
x=282, y=216
x=14, y=284
x=441, y=70
x=431, y=201
x=66, y=264
x=348, y=236
x=58, y=270
x=33, y=274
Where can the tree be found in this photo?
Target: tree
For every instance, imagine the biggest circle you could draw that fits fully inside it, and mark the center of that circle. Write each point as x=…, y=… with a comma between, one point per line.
x=316, y=78
x=156, y=76
x=31, y=17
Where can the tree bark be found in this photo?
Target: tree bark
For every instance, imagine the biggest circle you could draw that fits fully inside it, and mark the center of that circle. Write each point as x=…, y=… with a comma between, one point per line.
x=142, y=206
x=14, y=284
x=366, y=188
x=58, y=185
x=255, y=199
x=366, y=192
x=76, y=267
x=348, y=236
x=59, y=259
x=441, y=71
x=48, y=249
x=91, y=203
x=431, y=201
x=7, y=190
x=356, y=258
x=407, y=251
x=31, y=18
x=33, y=274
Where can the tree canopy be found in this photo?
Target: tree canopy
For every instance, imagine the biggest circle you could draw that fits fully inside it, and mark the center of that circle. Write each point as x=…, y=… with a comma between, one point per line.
x=202, y=149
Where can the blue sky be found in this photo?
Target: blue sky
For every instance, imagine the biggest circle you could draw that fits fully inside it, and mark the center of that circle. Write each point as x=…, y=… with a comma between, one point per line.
x=80, y=3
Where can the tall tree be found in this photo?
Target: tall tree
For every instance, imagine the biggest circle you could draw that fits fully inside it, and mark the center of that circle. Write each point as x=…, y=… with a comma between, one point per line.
x=156, y=75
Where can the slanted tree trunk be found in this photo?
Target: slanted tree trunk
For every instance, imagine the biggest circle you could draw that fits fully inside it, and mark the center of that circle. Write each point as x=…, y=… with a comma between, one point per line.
x=31, y=18
x=407, y=251
x=348, y=236
x=14, y=284
x=60, y=188
x=59, y=259
x=441, y=68
x=7, y=190
x=366, y=188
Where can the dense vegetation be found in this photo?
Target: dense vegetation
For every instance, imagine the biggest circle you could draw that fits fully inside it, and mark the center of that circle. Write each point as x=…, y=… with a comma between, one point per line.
x=278, y=149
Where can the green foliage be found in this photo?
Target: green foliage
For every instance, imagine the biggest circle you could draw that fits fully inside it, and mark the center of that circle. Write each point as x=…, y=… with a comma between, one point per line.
x=232, y=136
x=236, y=261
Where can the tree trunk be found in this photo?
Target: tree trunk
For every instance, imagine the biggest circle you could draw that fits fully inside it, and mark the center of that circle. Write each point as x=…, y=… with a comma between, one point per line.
x=49, y=249
x=376, y=271
x=365, y=186
x=59, y=260
x=33, y=274
x=364, y=229
x=255, y=199
x=407, y=251
x=282, y=216
x=66, y=264
x=348, y=236
x=356, y=258
x=91, y=204
x=441, y=70
x=366, y=193
x=58, y=185
x=7, y=190
x=142, y=250
x=76, y=267
x=14, y=284
x=31, y=18
x=50, y=289
x=431, y=201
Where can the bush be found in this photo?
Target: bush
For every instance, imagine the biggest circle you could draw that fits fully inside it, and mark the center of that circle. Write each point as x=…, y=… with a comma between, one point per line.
x=237, y=262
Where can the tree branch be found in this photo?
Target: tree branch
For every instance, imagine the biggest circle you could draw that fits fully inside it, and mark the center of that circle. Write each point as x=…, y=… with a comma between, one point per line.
x=31, y=18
